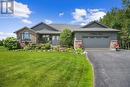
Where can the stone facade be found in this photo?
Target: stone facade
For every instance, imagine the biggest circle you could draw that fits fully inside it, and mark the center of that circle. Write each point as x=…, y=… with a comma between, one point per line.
x=33, y=37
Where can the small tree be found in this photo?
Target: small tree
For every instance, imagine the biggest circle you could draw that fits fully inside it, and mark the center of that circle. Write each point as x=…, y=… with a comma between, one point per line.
x=11, y=43
x=66, y=38
x=1, y=42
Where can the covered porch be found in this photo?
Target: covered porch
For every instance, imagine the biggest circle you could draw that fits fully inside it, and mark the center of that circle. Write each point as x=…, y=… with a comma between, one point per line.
x=49, y=38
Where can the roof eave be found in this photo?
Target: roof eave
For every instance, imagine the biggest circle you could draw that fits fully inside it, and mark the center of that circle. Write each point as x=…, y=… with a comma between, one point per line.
x=49, y=33
x=95, y=31
x=45, y=24
x=95, y=22
x=24, y=28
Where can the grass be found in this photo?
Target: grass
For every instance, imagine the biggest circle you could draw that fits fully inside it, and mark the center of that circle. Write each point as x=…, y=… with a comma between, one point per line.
x=44, y=69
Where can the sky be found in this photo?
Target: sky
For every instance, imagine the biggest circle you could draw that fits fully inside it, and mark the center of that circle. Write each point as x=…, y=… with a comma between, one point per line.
x=31, y=12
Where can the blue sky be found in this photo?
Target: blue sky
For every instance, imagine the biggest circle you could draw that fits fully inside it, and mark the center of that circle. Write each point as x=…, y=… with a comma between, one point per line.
x=31, y=12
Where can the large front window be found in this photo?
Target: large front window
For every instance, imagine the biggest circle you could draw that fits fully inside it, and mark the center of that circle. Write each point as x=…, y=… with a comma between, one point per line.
x=26, y=36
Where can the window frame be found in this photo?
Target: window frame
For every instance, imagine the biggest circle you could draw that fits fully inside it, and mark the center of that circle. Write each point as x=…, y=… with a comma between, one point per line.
x=26, y=36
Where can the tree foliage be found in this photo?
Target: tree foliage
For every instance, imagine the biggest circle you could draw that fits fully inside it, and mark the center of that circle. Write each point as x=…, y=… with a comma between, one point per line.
x=1, y=42
x=126, y=3
x=120, y=19
x=66, y=38
x=11, y=43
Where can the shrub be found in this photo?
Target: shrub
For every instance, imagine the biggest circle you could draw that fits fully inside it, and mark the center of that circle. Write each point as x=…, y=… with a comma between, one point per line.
x=42, y=47
x=26, y=47
x=33, y=46
x=11, y=43
x=66, y=38
x=62, y=49
x=69, y=49
x=56, y=48
x=79, y=50
x=47, y=46
x=38, y=47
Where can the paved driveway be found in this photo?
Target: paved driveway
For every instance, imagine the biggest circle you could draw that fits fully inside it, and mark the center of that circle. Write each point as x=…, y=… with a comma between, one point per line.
x=112, y=69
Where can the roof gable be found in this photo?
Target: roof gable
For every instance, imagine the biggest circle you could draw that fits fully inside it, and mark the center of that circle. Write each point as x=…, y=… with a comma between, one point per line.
x=24, y=28
x=43, y=26
x=94, y=24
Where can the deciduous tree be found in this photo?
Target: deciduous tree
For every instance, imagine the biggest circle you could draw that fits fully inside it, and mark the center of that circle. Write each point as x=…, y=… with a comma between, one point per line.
x=66, y=38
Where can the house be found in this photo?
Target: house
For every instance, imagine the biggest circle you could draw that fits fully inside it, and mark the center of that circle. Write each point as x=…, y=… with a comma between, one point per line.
x=92, y=35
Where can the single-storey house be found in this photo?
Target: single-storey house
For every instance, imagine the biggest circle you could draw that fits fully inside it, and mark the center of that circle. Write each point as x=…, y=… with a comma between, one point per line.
x=92, y=35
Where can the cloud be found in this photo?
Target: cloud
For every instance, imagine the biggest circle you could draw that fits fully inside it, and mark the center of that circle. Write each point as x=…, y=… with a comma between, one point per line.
x=82, y=24
x=4, y=35
x=78, y=14
x=48, y=21
x=83, y=16
x=21, y=10
x=61, y=14
x=97, y=15
x=26, y=21
x=94, y=10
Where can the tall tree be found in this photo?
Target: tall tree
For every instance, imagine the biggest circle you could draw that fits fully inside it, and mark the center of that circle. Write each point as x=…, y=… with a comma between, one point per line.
x=120, y=19
x=124, y=35
x=126, y=3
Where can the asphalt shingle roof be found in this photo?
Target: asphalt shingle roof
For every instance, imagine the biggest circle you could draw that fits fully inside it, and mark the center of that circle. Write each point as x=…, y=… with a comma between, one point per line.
x=95, y=29
x=43, y=28
x=61, y=27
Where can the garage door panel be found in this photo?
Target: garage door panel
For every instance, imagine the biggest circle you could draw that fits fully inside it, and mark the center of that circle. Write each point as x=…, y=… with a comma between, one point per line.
x=96, y=42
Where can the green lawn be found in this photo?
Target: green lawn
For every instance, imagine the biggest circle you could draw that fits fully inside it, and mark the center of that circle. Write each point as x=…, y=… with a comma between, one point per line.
x=44, y=69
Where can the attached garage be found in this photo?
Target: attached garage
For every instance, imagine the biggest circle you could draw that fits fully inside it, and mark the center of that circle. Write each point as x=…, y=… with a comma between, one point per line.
x=96, y=42
x=94, y=35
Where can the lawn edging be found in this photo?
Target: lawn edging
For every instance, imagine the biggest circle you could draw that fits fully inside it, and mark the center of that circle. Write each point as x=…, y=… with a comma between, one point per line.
x=86, y=53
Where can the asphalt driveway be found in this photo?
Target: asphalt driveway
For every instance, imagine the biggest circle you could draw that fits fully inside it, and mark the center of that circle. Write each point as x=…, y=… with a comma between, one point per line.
x=112, y=69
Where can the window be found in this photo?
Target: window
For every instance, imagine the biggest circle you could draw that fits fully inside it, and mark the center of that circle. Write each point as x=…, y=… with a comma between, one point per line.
x=26, y=36
x=45, y=38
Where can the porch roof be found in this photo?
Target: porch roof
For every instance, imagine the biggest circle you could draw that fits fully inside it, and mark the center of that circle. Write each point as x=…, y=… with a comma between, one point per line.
x=47, y=32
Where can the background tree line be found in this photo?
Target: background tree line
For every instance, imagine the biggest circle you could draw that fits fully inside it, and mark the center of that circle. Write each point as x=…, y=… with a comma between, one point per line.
x=120, y=19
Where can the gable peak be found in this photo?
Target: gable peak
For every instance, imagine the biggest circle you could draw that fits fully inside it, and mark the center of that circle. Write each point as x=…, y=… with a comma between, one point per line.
x=94, y=24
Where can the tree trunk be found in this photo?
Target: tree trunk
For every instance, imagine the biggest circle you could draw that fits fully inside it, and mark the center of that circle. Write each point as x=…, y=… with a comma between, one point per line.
x=128, y=46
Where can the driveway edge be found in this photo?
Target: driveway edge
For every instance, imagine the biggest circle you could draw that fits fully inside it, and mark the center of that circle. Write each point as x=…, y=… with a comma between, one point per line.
x=92, y=69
